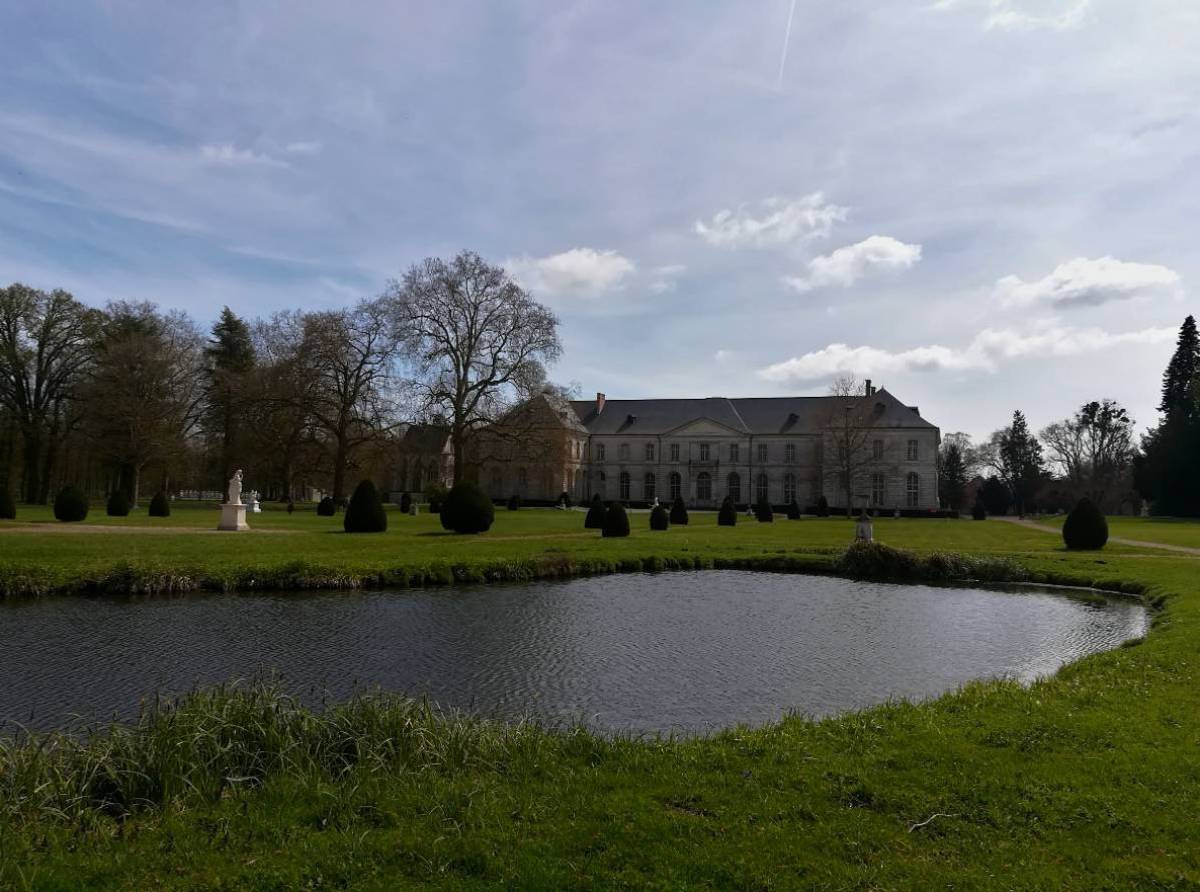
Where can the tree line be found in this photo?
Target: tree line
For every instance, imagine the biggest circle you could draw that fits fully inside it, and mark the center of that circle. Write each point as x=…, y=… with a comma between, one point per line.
x=1094, y=453
x=139, y=398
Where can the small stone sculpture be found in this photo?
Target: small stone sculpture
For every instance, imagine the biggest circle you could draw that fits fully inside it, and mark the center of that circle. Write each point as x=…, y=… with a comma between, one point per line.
x=864, y=530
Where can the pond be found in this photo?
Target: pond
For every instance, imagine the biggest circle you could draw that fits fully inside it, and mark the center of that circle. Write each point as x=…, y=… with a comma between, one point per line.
x=685, y=652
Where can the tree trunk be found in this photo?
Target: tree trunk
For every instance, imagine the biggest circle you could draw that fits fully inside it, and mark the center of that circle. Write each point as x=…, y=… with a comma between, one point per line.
x=457, y=436
x=339, y=469
x=137, y=484
x=31, y=459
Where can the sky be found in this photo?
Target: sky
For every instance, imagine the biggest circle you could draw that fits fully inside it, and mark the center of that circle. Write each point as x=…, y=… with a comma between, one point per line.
x=982, y=205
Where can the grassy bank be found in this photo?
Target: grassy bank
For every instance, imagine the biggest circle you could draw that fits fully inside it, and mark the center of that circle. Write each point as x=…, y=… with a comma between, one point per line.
x=1088, y=780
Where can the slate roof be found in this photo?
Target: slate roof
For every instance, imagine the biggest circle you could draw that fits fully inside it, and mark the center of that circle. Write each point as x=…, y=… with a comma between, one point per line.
x=424, y=438
x=752, y=415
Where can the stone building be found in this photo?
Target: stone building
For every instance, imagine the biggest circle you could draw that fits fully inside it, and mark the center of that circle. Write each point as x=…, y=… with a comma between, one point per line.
x=422, y=457
x=778, y=448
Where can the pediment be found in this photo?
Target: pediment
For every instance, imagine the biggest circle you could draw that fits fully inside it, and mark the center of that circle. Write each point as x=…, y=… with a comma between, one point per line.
x=705, y=427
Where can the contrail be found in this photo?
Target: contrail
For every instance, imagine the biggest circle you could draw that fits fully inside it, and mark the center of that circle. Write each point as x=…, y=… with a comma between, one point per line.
x=787, y=37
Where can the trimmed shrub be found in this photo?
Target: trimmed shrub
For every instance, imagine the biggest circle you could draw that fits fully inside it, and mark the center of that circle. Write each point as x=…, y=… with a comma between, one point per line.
x=679, y=515
x=514, y=502
x=793, y=510
x=595, y=515
x=659, y=519
x=616, y=522
x=727, y=516
x=1085, y=528
x=365, y=512
x=467, y=509
x=326, y=507
x=70, y=505
x=822, y=507
x=291, y=506
x=564, y=499
x=877, y=562
x=8, y=507
x=979, y=512
x=118, y=504
x=763, y=512
x=405, y=503
x=435, y=495
x=160, y=505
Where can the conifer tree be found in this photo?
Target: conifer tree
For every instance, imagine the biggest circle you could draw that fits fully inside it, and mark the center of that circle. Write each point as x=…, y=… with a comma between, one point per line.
x=1181, y=381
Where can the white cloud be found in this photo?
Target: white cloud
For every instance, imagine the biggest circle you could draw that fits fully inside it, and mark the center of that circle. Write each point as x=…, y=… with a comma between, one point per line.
x=577, y=271
x=664, y=277
x=776, y=221
x=1010, y=15
x=230, y=155
x=305, y=147
x=723, y=355
x=985, y=352
x=1084, y=282
x=847, y=265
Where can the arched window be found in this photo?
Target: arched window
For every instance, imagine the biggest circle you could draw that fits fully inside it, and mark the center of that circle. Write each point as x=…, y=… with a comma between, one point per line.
x=878, y=489
x=912, y=490
x=649, y=452
x=623, y=452
x=760, y=488
x=704, y=487
x=733, y=485
x=648, y=487
x=624, y=483
x=676, y=485
x=789, y=487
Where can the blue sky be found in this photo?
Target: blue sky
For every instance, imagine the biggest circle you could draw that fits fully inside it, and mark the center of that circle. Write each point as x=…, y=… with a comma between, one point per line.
x=981, y=204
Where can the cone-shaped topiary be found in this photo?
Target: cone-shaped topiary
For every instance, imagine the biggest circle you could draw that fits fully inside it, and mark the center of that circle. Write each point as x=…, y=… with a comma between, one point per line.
x=616, y=522
x=326, y=507
x=727, y=516
x=763, y=512
x=70, y=505
x=1085, y=527
x=467, y=509
x=405, y=503
x=659, y=519
x=979, y=512
x=365, y=512
x=679, y=515
x=118, y=504
x=822, y=507
x=595, y=515
x=514, y=502
x=8, y=507
x=793, y=510
x=564, y=499
x=160, y=505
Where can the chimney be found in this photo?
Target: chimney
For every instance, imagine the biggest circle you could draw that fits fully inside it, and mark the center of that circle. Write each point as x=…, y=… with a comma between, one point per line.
x=870, y=391
x=599, y=403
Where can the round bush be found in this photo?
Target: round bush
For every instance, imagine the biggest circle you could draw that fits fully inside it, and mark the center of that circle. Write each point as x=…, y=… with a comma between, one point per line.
x=793, y=510
x=8, y=507
x=326, y=507
x=679, y=515
x=435, y=494
x=822, y=507
x=467, y=509
x=564, y=499
x=727, y=516
x=763, y=512
x=160, y=505
x=514, y=502
x=979, y=512
x=70, y=505
x=1085, y=528
x=365, y=512
x=118, y=504
x=659, y=519
x=405, y=503
x=291, y=506
x=616, y=522
x=595, y=515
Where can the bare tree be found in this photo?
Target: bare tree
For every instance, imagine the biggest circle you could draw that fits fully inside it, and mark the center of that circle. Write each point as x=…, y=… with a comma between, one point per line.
x=850, y=434
x=479, y=343
x=45, y=349
x=1093, y=448
x=349, y=358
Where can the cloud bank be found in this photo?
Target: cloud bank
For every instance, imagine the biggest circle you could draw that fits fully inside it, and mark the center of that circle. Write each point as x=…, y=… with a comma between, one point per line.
x=1084, y=282
x=847, y=265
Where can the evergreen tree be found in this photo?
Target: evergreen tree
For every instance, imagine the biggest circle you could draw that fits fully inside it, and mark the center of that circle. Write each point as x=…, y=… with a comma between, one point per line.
x=1181, y=381
x=229, y=356
x=1169, y=473
x=1020, y=461
x=952, y=476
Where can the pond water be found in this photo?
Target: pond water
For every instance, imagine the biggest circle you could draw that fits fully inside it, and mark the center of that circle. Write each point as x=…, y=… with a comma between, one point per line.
x=685, y=652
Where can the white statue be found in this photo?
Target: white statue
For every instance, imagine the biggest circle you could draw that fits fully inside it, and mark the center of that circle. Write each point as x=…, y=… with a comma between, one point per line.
x=254, y=506
x=235, y=488
x=864, y=529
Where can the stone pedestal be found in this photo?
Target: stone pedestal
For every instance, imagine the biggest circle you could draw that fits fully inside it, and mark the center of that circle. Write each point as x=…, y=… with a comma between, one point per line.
x=233, y=518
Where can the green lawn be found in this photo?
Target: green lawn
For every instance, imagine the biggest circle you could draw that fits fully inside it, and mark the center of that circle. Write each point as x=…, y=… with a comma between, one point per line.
x=1089, y=780
x=1167, y=530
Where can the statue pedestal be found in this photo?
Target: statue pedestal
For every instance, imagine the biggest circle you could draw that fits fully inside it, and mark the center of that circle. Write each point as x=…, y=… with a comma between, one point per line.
x=233, y=518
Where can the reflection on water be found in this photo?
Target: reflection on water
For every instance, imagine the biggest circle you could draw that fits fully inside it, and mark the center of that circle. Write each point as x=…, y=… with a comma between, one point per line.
x=678, y=651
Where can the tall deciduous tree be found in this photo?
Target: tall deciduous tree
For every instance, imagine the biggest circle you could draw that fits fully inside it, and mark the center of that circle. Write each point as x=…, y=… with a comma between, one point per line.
x=1093, y=448
x=851, y=429
x=46, y=342
x=229, y=360
x=479, y=343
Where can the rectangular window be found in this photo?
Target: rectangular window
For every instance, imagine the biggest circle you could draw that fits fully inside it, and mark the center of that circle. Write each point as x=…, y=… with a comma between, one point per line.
x=789, y=453
x=912, y=450
x=733, y=451
x=762, y=451
x=703, y=452
x=649, y=452
x=599, y=452
x=878, y=490
x=877, y=450
x=674, y=452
